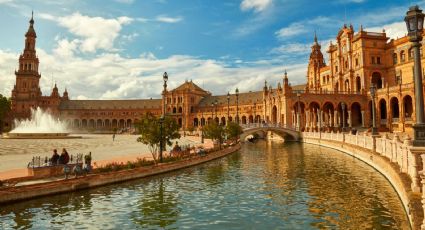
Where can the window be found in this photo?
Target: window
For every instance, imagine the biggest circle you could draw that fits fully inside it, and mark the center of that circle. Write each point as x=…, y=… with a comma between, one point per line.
x=394, y=58
x=336, y=68
x=378, y=60
x=410, y=56
x=357, y=62
x=402, y=56
x=373, y=60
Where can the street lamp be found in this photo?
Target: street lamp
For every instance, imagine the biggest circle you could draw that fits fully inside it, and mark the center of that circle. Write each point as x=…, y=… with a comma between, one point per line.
x=372, y=94
x=414, y=21
x=237, y=105
x=165, y=78
x=161, y=140
x=228, y=106
x=343, y=116
x=202, y=126
x=299, y=113
x=212, y=111
x=255, y=112
x=215, y=108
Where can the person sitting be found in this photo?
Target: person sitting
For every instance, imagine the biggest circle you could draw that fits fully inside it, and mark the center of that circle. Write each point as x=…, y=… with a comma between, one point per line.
x=55, y=157
x=64, y=157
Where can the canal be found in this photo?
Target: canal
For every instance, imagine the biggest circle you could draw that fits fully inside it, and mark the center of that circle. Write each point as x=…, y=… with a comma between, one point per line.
x=267, y=185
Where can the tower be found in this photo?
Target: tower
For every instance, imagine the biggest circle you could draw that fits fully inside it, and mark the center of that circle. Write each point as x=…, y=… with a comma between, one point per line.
x=315, y=62
x=26, y=92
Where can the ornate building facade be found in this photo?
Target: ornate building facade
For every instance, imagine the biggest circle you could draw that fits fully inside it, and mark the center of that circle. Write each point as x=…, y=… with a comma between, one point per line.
x=336, y=94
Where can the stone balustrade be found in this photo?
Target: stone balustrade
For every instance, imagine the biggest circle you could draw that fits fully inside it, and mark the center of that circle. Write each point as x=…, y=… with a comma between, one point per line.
x=400, y=154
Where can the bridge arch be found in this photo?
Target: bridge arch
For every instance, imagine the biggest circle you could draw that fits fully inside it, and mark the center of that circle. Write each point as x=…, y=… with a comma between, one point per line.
x=287, y=134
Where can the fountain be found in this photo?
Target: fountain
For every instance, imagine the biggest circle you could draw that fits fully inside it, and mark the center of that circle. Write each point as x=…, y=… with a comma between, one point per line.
x=41, y=125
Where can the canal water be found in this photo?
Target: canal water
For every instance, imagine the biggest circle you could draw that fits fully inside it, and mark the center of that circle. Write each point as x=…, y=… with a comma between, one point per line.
x=267, y=185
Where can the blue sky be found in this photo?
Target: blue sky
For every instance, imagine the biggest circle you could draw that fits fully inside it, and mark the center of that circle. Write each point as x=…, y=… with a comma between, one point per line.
x=119, y=49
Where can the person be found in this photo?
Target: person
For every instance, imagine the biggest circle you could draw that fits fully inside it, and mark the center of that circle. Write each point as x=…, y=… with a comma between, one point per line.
x=64, y=157
x=55, y=157
x=113, y=137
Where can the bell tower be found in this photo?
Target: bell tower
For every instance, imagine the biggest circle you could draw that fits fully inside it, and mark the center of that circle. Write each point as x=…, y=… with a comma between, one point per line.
x=315, y=62
x=26, y=92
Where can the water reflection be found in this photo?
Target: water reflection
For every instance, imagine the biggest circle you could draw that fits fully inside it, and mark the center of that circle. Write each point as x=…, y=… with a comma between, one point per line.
x=264, y=186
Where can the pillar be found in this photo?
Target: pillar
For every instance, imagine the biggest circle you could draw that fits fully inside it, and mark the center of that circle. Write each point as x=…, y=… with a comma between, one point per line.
x=336, y=124
x=363, y=118
x=307, y=116
x=349, y=118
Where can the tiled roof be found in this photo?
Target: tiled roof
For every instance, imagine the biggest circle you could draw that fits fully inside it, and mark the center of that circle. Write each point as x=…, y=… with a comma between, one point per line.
x=111, y=104
x=298, y=87
x=189, y=85
x=244, y=98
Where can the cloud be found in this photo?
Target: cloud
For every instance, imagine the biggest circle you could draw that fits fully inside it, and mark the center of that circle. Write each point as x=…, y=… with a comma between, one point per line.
x=290, y=31
x=256, y=5
x=125, y=1
x=166, y=19
x=393, y=30
x=94, y=32
x=292, y=48
x=112, y=76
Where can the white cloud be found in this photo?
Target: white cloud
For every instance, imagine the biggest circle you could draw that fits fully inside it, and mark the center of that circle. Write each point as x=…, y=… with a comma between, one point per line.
x=292, y=48
x=166, y=19
x=256, y=5
x=112, y=76
x=394, y=30
x=290, y=31
x=94, y=32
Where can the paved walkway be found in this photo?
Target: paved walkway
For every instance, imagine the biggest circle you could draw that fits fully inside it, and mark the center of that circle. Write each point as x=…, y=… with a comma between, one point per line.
x=15, y=154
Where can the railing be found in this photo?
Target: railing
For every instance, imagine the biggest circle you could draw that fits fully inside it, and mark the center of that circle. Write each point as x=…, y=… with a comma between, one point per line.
x=39, y=161
x=395, y=150
x=327, y=92
x=266, y=125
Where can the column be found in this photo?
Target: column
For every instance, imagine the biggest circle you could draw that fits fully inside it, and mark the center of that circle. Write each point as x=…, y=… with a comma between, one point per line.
x=336, y=124
x=349, y=118
x=307, y=116
x=363, y=118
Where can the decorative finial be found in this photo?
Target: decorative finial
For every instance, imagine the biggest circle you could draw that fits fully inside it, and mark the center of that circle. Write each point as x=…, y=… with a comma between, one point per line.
x=361, y=27
x=32, y=17
x=315, y=37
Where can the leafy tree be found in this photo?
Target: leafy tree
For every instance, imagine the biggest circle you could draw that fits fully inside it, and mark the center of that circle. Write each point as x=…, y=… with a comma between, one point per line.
x=233, y=130
x=214, y=131
x=5, y=104
x=150, y=132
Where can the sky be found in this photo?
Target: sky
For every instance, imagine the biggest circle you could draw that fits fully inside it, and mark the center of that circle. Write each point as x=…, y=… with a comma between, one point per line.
x=116, y=49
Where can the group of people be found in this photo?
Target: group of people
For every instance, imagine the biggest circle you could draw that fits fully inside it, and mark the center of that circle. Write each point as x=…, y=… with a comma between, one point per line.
x=62, y=159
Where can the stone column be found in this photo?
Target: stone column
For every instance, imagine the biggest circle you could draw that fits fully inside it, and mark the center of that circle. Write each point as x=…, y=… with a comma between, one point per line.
x=363, y=118
x=307, y=116
x=349, y=118
x=336, y=124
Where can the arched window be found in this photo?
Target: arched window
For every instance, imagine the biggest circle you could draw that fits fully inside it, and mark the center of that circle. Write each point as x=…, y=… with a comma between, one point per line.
x=410, y=53
x=395, y=58
x=402, y=56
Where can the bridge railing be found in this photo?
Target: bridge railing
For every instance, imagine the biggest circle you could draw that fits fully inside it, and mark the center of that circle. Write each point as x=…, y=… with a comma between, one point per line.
x=396, y=151
x=266, y=125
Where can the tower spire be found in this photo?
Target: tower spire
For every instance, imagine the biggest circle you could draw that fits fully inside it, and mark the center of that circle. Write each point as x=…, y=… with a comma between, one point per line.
x=315, y=36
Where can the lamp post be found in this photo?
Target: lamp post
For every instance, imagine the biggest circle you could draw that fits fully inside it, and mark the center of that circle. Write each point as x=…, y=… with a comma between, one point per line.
x=237, y=105
x=343, y=116
x=215, y=108
x=372, y=94
x=212, y=111
x=228, y=106
x=299, y=113
x=414, y=21
x=202, y=126
x=255, y=112
x=320, y=123
x=161, y=119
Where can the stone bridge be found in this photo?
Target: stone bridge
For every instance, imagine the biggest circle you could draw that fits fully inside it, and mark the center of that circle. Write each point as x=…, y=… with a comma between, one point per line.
x=287, y=132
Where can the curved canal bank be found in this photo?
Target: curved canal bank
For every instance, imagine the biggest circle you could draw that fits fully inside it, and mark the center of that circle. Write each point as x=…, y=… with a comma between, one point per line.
x=267, y=185
x=25, y=192
x=401, y=182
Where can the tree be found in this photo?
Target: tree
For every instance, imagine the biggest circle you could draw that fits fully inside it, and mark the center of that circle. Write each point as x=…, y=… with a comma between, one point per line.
x=214, y=131
x=4, y=109
x=150, y=132
x=233, y=130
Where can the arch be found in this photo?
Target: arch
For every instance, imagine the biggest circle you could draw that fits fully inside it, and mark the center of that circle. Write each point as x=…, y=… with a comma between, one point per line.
x=99, y=123
x=274, y=115
x=180, y=109
x=202, y=121
x=129, y=123
x=257, y=119
x=223, y=120
x=402, y=56
x=180, y=122
x=377, y=80
x=244, y=119
x=346, y=85
x=343, y=117
x=407, y=106
x=195, y=122
x=251, y=119
x=114, y=123
x=174, y=110
x=91, y=123
x=107, y=123
x=328, y=110
x=121, y=123
x=230, y=119
x=217, y=120
x=76, y=123
x=286, y=134
x=382, y=109
x=394, y=58
x=356, y=115
x=358, y=84
x=395, y=109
